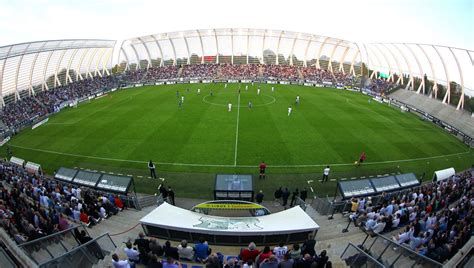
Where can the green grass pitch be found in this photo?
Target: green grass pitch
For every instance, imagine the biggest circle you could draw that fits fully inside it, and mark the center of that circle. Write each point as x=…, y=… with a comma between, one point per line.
x=121, y=131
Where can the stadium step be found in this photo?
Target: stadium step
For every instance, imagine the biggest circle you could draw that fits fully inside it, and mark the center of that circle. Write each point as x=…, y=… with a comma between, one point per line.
x=300, y=74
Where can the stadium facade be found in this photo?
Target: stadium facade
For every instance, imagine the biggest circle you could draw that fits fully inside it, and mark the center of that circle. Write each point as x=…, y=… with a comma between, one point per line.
x=437, y=71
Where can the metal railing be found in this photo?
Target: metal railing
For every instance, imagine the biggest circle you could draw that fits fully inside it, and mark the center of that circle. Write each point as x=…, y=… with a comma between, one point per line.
x=51, y=246
x=392, y=254
x=86, y=255
x=353, y=256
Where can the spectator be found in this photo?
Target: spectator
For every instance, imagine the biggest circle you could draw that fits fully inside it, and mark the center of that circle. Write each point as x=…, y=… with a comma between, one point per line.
x=142, y=242
x=270, y=262
x=170, y=251
x=155, y=248
x=295, y=252
x=118, y=263
x=265, y=254
x=132, y=253
x=287, y=261
x=259, y=197
x=308, y=246
x=280, y=251
x=154, y=262
x=249, y=253
x=202, y=250
x=185, y=252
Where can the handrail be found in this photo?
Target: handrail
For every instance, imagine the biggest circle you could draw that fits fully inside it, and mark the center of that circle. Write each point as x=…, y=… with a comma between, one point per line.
x=79, y=248
x=410, y=250
x=51, y=235
x=362, y=252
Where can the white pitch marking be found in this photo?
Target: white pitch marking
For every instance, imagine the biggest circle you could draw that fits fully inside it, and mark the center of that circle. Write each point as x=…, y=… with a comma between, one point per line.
x=332, y=179
x=217, y=165
x=237, y=132
x=139, y=176
x=343, y=179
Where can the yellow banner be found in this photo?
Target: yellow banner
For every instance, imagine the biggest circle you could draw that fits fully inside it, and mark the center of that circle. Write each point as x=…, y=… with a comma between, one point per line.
x=229, y=206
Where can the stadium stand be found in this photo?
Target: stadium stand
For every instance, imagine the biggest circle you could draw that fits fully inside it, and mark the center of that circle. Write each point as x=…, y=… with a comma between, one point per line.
x=433, y=220
x=460, y=119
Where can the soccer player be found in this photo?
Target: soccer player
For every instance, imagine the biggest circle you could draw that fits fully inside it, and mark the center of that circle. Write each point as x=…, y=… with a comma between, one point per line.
x=289, y=110
x=182, y=99
x=250, y=105
x=297, y=101
x=361, y=158
x=246, y=87
x=273, y=89
x=225, y=86
x=258, y=91
x=229, y=107
x=180, y=104
x=152, y=167
x=252, y=83
x=177, y=94
x=262, y=168
x=212, y=93
x=326, y=174
x=199, y=91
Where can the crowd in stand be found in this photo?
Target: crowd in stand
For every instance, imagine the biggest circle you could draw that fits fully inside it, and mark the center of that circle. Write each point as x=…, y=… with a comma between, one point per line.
x=27, y=109
x=239, y=71
x=52, y=98
x=33, y=206
x=280, y=72
x=160, y=73
x=315, y=74
x=434, y=221
x=22, y=111
x=380, y=85
x=200, y=71
x=151, y=253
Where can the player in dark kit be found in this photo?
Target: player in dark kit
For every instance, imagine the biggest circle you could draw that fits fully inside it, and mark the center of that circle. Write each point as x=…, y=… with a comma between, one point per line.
x=262, y=167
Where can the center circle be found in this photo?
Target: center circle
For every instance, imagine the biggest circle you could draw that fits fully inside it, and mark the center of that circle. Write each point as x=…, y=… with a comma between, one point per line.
x=273, y=100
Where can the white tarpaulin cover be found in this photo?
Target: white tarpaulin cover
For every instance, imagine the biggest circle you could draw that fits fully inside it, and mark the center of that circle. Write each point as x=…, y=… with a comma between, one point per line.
x=292, y=220
x=443, y=174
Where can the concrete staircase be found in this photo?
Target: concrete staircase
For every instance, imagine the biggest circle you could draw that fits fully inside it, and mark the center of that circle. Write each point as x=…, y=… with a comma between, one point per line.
x=300, y=74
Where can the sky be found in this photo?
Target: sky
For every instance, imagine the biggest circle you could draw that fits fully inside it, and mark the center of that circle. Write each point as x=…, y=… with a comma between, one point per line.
x=448, y=22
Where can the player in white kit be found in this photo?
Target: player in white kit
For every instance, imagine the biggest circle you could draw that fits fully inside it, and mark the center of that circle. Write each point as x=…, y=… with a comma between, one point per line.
x=273, y=89
x=182, y=99
x=297, y=101
x=199, y=91
x=246, y=87
x=229, y=107
x=289, y=110
x=258, y=91
x=225, y=86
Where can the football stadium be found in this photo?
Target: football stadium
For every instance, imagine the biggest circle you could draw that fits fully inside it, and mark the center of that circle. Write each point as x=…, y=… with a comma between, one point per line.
x=226, y=147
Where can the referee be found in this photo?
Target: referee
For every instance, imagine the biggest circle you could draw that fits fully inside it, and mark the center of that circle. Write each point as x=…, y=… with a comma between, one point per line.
x=152, y=168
